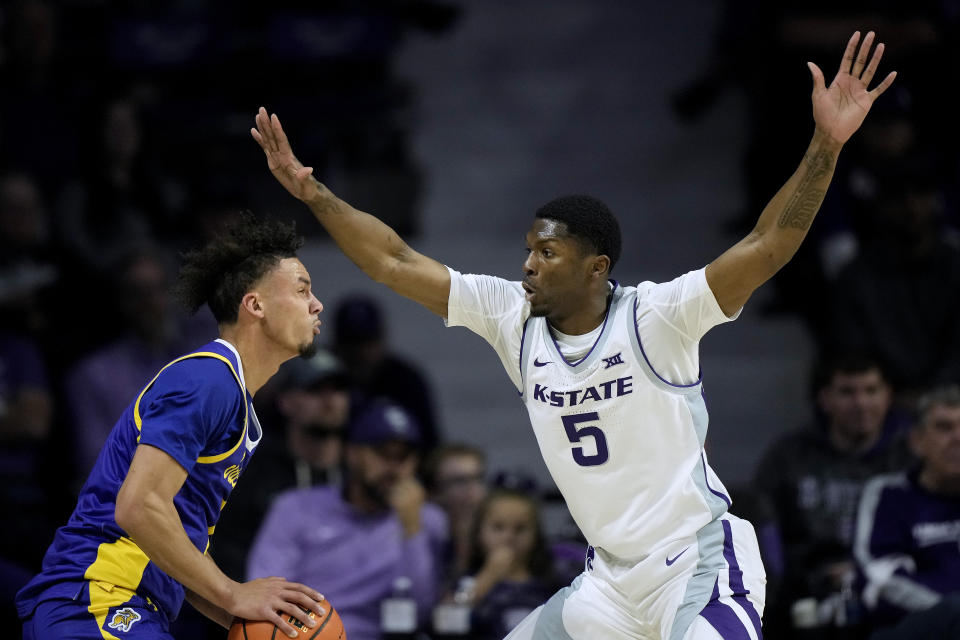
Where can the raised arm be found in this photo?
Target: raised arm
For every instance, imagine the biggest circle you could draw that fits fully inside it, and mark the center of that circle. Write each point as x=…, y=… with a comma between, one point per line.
x=369, y=243
x=838, y=111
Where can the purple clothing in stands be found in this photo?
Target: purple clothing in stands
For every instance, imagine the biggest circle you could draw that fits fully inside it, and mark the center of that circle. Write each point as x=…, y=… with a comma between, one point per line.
x=21, y=366
x=100, y=387
x=315, y=537
x=907, y=546
x=505, y=605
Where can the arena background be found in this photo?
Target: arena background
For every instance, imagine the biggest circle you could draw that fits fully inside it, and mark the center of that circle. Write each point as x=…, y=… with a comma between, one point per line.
x=454, y=121
x=524, y=101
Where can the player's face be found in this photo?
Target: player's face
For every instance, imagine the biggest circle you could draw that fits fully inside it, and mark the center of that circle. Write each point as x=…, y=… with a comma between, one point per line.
x=509, y=522
x=937, y=442
x=856, y=403
x=556, y=272
x=290, y=309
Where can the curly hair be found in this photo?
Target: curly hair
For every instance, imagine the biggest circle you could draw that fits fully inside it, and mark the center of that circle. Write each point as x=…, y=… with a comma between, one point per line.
x=589, y=220
x=222, y=272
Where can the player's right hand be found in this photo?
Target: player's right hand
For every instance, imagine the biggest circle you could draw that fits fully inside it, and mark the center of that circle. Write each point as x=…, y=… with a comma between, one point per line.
x=270, y=598
x=290, y=172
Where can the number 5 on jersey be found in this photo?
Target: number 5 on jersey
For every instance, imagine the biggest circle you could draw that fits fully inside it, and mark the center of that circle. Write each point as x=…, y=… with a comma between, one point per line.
x=575, y=434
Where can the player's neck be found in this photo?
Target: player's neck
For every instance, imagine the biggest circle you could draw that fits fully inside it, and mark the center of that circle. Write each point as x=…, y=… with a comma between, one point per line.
x=259, y=358
x=586, y=316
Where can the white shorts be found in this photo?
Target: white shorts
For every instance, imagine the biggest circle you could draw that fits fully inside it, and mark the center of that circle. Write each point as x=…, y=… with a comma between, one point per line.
x=711, y=586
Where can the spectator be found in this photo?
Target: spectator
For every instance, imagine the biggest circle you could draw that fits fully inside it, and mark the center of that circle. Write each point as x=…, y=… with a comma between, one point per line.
x=26, y=266
x=361, y=342
x=314, y=406
x=356, y=541
x=813, y=477
x=897, y=298
x=511, y=563
x=121, y=201
x=908, y=529
x=99, y=385
x=792, y=33
x=456, y=479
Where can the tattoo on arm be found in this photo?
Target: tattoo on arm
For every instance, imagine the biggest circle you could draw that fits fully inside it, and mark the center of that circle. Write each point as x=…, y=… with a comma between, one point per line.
x=806, y=200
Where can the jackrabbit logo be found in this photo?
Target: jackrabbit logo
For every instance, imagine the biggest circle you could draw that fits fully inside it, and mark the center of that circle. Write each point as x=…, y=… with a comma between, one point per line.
x=123, y=619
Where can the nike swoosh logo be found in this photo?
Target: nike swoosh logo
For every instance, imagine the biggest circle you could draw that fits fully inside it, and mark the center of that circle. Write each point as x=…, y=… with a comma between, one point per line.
x=537, y=363
x=670, y=560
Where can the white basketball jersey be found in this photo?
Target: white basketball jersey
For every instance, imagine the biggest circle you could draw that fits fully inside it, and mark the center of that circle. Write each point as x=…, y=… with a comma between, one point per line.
x=624, y=446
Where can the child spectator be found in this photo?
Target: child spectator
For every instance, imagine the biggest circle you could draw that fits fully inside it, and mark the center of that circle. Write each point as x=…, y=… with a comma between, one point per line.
x=511, y=563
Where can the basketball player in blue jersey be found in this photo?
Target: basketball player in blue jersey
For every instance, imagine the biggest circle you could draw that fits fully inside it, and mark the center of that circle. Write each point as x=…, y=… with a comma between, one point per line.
x=610, y=378
x=136, y=543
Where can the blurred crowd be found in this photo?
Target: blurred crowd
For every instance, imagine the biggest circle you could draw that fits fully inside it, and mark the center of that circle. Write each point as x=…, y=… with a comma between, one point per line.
x=880, y=269
x=845, y=506
x=114, y=123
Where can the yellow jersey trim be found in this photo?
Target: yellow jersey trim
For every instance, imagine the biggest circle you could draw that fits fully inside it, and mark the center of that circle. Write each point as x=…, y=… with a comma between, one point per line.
x=246, y=405
x=114, y=577
x=104, y=597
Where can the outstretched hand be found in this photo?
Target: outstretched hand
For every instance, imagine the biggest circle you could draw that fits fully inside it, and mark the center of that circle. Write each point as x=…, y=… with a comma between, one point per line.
x=290, y=172
x=839, y=110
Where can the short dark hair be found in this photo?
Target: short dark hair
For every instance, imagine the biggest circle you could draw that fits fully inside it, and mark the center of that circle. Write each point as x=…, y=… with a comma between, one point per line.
x=220, y=273
x=845, y=363
x=589, y=220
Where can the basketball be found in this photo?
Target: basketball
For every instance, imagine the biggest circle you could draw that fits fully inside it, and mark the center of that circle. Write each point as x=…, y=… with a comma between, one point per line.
x=329, y=628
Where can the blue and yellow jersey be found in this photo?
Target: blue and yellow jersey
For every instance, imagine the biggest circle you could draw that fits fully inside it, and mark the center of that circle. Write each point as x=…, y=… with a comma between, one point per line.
x=198, y=411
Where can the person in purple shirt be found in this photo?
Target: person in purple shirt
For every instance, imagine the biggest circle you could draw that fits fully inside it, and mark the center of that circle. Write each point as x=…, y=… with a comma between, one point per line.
x=154, y=331
x=908, y=532
x=358, y=540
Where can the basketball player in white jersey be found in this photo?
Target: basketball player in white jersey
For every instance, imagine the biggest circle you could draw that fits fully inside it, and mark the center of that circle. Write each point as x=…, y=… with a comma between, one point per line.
x=610, y=377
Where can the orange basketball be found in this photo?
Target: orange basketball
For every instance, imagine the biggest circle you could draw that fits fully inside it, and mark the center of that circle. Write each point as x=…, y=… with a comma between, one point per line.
x=329, y=628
